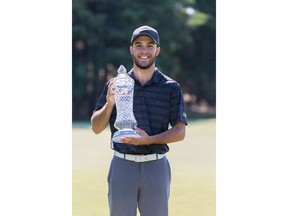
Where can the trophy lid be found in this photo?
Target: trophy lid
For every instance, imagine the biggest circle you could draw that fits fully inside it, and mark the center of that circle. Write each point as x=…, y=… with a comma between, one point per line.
x=123, y=78
x=121, y=70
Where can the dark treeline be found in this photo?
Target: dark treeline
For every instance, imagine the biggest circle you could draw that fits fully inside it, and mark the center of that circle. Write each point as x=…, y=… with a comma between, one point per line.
x=101, y=38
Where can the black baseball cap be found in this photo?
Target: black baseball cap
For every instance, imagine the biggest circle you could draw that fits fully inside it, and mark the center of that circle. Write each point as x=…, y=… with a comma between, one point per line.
x=146, y=30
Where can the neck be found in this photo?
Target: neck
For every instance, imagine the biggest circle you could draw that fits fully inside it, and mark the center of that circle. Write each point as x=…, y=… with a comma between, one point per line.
x=143, y=75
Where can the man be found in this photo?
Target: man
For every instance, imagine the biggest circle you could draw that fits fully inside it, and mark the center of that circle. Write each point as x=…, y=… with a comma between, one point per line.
x=157, y=103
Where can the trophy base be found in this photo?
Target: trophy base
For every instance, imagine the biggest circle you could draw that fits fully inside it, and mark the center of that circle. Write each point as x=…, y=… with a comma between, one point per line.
x=124, y=132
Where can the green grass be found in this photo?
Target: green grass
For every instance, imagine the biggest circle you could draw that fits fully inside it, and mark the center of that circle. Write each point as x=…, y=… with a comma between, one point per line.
x=193, y=186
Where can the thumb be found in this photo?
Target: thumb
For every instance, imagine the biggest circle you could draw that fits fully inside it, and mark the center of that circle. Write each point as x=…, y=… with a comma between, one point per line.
x=139, y=130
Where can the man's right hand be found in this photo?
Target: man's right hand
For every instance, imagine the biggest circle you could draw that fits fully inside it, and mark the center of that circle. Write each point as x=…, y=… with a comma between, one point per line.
x=111, y=92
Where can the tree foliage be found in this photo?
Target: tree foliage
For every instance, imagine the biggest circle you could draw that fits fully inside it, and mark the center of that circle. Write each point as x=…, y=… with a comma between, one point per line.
x=101, y=38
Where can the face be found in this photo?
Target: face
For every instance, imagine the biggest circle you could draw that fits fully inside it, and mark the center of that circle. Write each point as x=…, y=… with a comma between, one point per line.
x=144, y=51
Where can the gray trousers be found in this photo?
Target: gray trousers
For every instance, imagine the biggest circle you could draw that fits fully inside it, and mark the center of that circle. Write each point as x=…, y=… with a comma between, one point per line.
x=146, y=184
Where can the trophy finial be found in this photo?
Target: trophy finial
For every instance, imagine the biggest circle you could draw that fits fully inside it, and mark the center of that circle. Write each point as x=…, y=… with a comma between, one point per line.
x=121, y=69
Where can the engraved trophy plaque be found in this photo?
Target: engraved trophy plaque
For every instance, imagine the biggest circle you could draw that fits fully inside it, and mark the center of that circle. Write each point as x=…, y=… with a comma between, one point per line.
x=125, y=120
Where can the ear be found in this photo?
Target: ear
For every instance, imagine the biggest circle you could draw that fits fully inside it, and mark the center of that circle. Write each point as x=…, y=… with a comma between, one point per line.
x=131, y=50
x=158, y=51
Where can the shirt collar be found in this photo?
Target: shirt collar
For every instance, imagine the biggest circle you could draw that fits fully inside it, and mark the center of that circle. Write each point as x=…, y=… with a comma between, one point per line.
x=155, y=78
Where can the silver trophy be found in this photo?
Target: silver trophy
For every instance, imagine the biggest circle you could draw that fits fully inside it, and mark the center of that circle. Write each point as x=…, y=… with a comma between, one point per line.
x=125, y=120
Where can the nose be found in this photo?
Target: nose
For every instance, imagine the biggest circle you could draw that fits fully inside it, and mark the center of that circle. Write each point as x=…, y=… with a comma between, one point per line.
x=144, y=49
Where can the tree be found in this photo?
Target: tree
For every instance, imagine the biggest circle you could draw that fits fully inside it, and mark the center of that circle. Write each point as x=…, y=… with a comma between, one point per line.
x=101, y=37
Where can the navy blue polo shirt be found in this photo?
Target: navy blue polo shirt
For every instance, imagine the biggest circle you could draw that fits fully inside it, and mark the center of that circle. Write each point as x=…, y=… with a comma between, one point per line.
x=156, y=105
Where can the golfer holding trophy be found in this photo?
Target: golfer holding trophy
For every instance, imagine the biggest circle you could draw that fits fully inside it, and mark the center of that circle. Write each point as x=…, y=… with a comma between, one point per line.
x=145, y=111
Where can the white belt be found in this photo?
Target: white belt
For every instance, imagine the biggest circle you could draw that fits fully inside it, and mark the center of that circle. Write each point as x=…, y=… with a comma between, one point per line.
x=139, y=158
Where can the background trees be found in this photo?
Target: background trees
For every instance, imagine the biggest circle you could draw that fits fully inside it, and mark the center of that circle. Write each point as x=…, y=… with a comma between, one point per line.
x=101, y=37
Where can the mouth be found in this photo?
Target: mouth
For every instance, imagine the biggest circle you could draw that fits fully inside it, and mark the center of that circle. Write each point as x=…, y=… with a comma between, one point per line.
x=143, y=57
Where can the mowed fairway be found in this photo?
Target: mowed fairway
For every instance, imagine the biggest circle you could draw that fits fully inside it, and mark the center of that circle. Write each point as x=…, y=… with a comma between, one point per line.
x=192, y=161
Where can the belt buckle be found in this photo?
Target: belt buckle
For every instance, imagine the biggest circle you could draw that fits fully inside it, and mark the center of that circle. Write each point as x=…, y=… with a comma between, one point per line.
x=141, y=158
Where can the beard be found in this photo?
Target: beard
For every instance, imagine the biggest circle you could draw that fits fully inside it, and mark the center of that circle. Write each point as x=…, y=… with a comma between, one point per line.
x=144, y=66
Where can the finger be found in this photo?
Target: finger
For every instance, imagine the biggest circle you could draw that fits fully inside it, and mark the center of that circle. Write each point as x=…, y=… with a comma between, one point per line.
x=129, y=140
x=111, y=80
x=137, y=129
x=125, y=140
